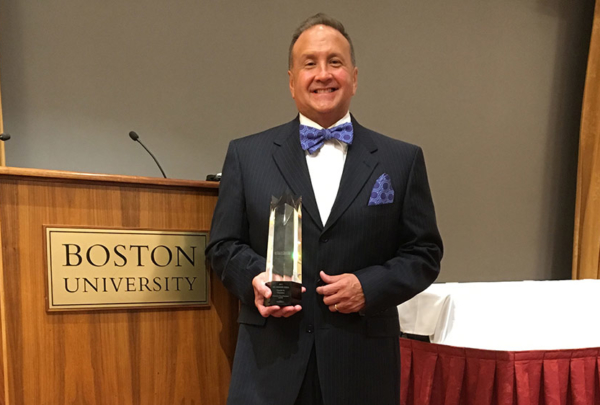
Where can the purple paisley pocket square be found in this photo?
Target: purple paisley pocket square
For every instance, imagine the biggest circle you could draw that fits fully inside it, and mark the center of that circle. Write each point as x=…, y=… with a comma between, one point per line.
x=382, y=192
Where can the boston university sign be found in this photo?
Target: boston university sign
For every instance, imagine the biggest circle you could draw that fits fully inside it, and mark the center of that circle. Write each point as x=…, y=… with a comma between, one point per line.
x=121, y=268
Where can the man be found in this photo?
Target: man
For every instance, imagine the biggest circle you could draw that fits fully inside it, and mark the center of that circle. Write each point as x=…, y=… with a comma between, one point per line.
x=370, y=240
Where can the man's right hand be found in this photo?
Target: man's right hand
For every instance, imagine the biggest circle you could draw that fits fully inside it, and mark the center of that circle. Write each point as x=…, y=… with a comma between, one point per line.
x=262, y=291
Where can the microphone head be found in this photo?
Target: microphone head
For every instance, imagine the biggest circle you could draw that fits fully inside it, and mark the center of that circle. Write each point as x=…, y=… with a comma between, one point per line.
x=4, y=137
x=134, y=136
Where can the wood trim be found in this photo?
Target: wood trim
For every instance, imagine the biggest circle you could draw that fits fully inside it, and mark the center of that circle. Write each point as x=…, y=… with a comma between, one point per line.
x=586, y=235
x=2, y=156
x=3, y=347
x=4, y=399
x=57, y=175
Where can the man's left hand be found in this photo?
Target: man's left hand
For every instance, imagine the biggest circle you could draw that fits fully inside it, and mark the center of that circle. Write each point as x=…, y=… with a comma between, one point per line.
x=343, y=293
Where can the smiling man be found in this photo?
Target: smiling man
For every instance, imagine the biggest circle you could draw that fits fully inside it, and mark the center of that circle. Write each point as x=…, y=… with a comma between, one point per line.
x=323, y=77
x=369, y=236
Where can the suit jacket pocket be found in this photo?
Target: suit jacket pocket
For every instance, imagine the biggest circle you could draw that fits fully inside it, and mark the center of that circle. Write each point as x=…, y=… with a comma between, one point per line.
x=251, y=316
x=383, y=327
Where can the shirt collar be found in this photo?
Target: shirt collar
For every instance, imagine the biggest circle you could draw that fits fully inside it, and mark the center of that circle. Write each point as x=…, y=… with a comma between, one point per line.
x=310, y=123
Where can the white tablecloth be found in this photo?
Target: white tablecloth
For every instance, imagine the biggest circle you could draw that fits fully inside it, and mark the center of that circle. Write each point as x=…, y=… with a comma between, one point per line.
x=519, y=315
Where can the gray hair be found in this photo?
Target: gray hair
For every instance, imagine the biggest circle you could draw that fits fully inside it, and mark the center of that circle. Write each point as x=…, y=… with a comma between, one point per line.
x=320, y=19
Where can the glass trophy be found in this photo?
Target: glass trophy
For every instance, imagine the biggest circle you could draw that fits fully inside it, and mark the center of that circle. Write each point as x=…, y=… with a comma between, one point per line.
x=284, y=251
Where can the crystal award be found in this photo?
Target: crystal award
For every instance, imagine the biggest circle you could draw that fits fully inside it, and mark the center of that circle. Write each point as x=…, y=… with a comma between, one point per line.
x=284, y=251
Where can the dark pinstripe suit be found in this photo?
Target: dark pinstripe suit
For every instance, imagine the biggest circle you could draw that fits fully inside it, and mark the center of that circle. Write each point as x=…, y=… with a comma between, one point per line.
x=394, y=250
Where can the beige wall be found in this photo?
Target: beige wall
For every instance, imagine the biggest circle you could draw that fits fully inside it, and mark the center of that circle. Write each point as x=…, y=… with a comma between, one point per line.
x=490, y=89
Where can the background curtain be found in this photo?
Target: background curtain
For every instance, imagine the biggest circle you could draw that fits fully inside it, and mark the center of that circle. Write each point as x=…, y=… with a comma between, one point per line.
x=586, y=245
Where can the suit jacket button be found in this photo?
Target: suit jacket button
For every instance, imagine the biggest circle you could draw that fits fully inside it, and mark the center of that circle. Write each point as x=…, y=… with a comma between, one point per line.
x=324, y=240
x=309, y=329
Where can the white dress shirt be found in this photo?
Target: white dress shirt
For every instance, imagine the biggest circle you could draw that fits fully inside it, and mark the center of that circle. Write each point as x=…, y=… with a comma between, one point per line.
x=325, y=167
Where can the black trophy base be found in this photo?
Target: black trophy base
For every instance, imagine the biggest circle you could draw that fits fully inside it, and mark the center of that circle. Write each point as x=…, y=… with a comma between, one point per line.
x=284, y=293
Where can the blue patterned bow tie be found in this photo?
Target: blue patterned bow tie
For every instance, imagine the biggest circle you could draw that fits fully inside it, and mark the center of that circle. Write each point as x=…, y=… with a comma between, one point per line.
x=312, y=139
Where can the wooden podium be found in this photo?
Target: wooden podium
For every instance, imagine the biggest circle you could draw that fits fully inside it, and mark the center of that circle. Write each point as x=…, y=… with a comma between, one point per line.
x=112, y=357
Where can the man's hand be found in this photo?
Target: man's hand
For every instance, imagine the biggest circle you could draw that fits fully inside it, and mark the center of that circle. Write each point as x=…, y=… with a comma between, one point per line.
x=262, y=291
x=342, y=293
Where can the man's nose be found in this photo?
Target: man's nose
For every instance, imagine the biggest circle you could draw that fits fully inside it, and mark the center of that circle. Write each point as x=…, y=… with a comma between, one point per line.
x=323, y=73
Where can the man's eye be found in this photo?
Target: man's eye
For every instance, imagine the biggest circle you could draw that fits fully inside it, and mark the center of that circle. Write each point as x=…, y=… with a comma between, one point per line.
x=336, y=62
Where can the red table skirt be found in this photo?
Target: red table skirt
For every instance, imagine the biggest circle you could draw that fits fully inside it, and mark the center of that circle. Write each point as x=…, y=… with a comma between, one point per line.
x=433, y=374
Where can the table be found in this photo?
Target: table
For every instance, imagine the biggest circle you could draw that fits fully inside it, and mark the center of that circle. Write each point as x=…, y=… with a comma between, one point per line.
x=525, y=343
x=514, y=315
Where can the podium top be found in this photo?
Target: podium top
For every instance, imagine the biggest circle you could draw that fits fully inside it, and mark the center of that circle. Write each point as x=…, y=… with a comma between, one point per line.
x=57, y=175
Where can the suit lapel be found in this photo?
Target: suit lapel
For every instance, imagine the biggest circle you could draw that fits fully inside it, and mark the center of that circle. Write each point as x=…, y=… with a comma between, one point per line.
x=360, y=163
x=291, y=161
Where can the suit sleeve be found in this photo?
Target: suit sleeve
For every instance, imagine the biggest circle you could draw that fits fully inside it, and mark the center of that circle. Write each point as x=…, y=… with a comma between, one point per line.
x=417, y=261
x=228, y=250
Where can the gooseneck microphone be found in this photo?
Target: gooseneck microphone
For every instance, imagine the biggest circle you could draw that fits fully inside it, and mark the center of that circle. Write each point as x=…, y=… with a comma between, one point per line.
x=136, y=138
x=4, y=137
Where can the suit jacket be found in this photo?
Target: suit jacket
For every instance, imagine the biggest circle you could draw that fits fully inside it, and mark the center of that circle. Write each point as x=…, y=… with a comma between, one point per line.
x=394, y=250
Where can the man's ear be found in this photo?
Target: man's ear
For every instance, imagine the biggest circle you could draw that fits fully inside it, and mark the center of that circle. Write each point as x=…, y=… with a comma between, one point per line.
x=355, y=84
x=291, y=76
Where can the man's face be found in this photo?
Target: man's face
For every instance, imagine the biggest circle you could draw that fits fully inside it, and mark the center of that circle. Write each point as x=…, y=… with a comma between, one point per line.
x=322, y=77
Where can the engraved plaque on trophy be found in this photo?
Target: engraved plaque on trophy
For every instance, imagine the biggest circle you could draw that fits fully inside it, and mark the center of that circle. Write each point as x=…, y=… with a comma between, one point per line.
x=284, y=251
